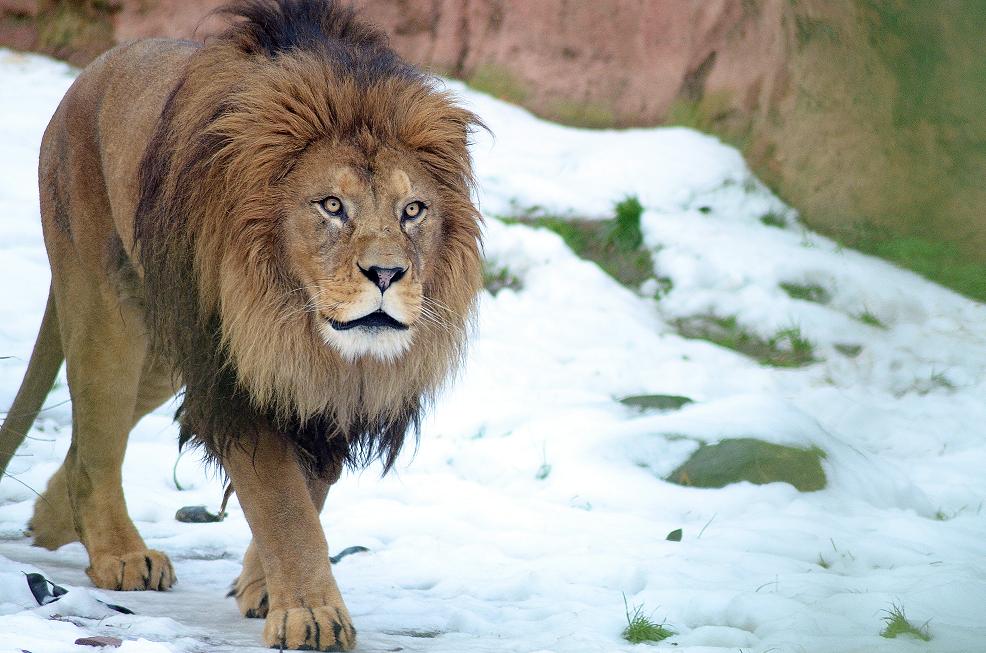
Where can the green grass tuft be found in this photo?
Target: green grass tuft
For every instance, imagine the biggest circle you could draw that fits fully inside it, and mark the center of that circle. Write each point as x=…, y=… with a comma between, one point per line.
x=787, y=348
x=897, y=624
x=626, y=233
x=800, y=348
x=664, y=286
x=773, y=220
x=809, y=292
x=640, y=628
x=872, y=320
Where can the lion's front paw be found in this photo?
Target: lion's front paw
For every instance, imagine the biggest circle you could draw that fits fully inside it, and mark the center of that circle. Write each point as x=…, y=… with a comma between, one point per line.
x=140, y=570
x=312, y=629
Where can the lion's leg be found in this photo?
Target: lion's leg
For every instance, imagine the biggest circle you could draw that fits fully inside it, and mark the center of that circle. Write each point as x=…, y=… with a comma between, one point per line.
x=105, y=350
x=305, y=607
x=250, y=587
x=157, y=385
x=52, y=525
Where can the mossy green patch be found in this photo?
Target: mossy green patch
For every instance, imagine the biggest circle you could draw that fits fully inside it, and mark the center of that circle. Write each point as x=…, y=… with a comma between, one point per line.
x=712, y=113
x=499, y=82
x=787, y=348
x=773, y=219
x=497, y=277
x=808, y=292
x=587, y=115
x=753, y=460
x=615, y=245
x=935, y=260
x=656, y=402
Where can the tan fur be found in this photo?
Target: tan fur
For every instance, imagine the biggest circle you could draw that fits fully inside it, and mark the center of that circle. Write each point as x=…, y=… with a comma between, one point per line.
x=180, y=190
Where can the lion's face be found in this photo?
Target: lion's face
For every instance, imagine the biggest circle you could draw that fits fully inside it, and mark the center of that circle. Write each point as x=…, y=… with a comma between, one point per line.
x=361, y=230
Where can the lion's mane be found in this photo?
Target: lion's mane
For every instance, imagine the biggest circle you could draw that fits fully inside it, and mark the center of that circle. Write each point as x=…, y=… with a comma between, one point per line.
x=222, y=305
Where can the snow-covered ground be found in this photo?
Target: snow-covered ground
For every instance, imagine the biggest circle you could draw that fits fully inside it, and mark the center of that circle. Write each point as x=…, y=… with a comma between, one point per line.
x=535, y=501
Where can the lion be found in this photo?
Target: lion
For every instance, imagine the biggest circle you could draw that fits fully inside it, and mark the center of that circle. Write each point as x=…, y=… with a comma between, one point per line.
x=280, y=221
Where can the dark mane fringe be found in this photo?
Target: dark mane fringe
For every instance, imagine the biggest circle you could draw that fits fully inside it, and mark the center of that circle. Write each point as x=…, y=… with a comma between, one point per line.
x=191, y=163
x=268, y=28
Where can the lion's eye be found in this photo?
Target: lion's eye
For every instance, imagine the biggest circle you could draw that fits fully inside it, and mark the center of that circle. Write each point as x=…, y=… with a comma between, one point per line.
x=414, y=210
x=333, y=206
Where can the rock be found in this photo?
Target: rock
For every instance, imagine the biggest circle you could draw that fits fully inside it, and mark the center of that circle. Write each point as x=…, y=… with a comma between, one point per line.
x=99, y=640
x=656, y=402
x=756, y=461
x=197, y=515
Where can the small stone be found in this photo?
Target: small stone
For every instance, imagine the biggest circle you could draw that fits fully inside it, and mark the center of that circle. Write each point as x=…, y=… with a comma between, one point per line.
x=99, y=640
x=197, y=515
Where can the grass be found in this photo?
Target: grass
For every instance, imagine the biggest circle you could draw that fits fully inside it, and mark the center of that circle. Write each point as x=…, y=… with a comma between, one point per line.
x=499, y=82
x=640, y=628
x=847, y=349
x=872, y=320
x=937, y=381
x=773, y=220
x=497, y=277
x=786, y=348
x=809, y=292
x=898, y=624
x=614, y=245
x=626, y=233
x=590, y=115
x=712, y=113
x=664, y=286
x=934, y=260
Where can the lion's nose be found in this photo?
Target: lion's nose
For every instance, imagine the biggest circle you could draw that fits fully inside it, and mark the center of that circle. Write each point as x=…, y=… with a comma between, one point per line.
x=382, y=277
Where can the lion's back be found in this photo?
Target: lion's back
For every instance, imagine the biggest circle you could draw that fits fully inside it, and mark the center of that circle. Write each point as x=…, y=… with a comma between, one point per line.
x=94, y=142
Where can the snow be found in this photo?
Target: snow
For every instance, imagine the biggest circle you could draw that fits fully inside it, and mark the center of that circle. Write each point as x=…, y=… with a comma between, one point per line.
x=535, y=501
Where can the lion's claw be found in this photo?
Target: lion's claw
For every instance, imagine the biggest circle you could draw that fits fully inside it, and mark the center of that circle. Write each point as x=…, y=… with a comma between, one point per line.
x=324, y=628
x=140, y=570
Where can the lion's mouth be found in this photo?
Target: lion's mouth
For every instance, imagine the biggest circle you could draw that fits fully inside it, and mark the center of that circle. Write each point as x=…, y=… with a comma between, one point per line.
x=375, y=320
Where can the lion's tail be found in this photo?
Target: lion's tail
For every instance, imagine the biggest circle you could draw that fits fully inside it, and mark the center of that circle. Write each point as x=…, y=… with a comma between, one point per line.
x=46, y=358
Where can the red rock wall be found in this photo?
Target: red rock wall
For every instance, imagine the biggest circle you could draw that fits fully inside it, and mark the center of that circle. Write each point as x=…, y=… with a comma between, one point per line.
x=620, y=62
x=612, y=62
x=829, y=101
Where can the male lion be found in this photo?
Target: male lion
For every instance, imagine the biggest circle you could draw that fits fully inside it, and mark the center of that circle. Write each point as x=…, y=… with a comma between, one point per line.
x=279, y=220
